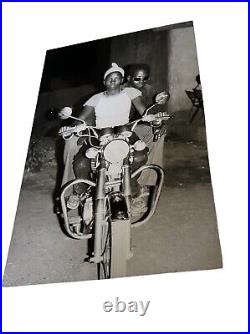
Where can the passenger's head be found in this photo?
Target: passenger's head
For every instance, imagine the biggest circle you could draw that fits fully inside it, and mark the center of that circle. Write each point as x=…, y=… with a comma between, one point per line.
x=138, y=75
x=113, y=77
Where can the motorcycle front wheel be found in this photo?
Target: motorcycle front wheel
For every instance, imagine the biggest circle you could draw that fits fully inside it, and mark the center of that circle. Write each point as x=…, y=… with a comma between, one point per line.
x=104, y=267
x=115, y=249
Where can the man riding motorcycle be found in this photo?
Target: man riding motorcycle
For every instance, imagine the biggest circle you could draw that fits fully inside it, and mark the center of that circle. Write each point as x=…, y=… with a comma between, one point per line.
x=111, y=108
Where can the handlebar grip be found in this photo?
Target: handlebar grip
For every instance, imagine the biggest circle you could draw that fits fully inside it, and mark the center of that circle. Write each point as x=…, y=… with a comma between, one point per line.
x=66, y=132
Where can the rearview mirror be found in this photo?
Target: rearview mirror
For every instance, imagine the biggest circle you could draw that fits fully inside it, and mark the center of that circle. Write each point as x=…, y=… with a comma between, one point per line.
x=65, y=113
x=162, y=97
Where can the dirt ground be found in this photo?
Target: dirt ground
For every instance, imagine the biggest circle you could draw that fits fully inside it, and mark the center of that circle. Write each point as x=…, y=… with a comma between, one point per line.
x=181, y=236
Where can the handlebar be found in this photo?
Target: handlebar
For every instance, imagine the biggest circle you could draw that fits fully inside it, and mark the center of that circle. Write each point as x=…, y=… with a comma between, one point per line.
x=76, y=130
x=67, y=134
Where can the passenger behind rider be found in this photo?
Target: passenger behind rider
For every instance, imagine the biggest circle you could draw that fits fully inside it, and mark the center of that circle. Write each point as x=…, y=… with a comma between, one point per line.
x=138, y=77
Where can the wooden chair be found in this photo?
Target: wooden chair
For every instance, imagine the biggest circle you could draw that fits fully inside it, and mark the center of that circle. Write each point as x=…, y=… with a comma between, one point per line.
x=195, y=96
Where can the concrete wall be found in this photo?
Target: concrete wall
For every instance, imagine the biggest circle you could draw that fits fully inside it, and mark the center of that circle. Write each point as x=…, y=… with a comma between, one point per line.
x=148, y=47
x=182, y=67
x=182, y=70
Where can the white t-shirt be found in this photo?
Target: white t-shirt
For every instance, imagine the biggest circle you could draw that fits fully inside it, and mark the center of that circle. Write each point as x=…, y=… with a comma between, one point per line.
x=113, y=110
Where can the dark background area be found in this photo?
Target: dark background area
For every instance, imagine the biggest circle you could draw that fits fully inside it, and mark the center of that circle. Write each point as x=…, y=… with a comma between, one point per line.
x=75, y=65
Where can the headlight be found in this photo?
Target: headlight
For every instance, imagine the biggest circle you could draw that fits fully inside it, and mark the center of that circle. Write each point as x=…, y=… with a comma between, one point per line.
x=91, y=153
x=116, y=151
x=139, y=145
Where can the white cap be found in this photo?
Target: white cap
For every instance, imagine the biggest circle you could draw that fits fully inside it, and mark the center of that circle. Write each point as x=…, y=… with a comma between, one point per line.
x=114, y=68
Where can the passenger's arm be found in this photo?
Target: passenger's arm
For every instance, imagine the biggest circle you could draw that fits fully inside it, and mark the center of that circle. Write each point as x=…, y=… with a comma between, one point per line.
x=139, y=105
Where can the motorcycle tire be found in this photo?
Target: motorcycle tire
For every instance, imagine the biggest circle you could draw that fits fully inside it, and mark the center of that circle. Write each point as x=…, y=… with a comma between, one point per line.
x=116, y=250
x=104, y=267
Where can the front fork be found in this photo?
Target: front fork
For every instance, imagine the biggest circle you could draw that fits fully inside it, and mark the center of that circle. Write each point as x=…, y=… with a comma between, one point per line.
x=100, y=215
x=100, y=208
x=126, y=187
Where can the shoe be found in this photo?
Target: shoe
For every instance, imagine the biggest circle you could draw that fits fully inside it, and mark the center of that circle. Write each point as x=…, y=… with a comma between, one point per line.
x=139, y=203
x=144, y=191
x=87, y=229
x=138, y=206
x=73, y=202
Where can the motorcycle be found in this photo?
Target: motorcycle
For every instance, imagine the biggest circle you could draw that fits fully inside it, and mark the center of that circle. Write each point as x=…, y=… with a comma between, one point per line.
x=106, y=213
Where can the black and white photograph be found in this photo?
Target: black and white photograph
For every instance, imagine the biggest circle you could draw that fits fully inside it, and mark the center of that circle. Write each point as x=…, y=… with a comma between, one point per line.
x=117, y=180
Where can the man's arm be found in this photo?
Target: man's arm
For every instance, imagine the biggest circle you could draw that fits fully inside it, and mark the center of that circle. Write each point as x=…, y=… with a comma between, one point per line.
x=87, y=114
x=139, y=105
